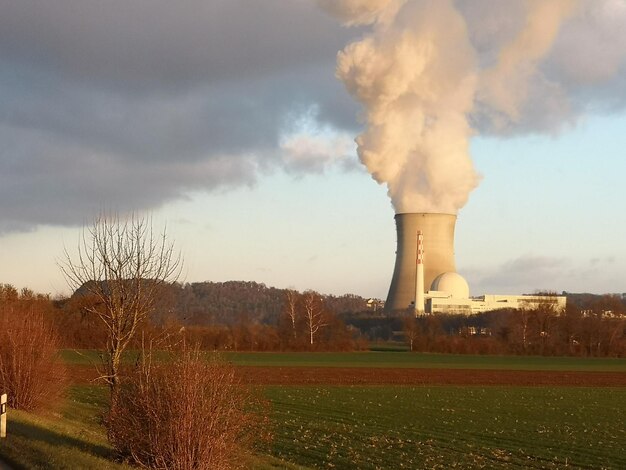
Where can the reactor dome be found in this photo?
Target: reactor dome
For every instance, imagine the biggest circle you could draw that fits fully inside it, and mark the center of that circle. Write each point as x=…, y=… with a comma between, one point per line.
x=453, y=284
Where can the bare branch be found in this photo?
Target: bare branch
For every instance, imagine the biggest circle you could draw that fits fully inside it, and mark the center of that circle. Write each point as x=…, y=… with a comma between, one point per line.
x=124, y=266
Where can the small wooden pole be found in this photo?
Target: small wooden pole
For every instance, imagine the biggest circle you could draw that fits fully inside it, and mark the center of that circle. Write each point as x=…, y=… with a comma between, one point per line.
x=3, y=415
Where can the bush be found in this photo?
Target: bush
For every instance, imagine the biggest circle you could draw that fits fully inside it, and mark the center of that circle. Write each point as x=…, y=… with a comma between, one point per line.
x=188, y=413
x=31, y=373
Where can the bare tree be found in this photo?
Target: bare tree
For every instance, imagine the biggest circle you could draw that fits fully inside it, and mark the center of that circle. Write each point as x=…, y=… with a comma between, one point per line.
x=291, y=309
x=412, y=331
x=521, y=320
x=314, y=313
x=123, y=265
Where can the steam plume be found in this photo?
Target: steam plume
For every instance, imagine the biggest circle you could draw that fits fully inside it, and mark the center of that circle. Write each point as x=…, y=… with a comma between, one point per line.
x=432, y=73
x=416, y=76
x=504, y=86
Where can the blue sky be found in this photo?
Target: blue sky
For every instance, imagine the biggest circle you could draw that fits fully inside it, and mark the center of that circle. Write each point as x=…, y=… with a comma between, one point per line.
x=199, y=143
x=547, y=214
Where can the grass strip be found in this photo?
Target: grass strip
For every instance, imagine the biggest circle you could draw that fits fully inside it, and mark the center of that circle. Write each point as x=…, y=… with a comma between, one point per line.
x=386, y=359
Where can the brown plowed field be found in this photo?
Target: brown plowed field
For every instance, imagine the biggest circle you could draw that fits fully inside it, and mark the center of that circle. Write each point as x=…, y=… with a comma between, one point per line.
x=379, y=376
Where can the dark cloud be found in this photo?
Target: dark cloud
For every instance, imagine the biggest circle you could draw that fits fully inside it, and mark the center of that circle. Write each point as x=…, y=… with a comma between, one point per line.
x=145, y=44
x=131, y=104
x=69, y=181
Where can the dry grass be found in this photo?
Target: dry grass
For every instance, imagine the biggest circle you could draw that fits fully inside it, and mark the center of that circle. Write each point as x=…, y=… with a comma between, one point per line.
x=188, y=413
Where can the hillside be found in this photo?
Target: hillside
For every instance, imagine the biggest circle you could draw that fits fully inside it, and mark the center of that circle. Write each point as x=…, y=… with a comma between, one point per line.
x=204, y=303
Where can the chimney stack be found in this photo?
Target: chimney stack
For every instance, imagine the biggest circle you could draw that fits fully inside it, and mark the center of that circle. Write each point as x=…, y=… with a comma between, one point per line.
x=419, y=275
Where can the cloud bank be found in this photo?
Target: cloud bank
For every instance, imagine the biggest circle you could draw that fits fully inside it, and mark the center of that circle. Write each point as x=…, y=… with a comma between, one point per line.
x=129, y=105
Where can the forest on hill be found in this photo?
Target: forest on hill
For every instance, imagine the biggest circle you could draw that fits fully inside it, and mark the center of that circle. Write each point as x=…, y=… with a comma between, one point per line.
x=227, y=303
x=234, y=315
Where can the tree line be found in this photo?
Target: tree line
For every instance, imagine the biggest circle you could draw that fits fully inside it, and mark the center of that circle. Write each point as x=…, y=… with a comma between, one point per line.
x=592, y=326
x=595, y=328
x=305, y=321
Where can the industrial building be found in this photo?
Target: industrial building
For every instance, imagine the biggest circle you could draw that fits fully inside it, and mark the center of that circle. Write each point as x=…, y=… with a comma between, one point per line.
x=442, y=302
x=425, y=278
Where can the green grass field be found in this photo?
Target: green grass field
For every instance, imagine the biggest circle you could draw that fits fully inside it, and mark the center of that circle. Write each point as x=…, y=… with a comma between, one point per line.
x=396, y=359
x=387, y=427
x=377, y=427
x=450, y=427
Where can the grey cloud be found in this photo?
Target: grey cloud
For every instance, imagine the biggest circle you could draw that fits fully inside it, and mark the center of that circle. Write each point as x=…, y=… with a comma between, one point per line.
x=604, y=261
x=526, y=271
x=69, y=183
x=522, y=275
x=161, y=127
x=128, y=105
x=530, y=273
x=150, y=43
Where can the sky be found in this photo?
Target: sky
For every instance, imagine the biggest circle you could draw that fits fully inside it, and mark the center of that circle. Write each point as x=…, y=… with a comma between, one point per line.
x=230, y=123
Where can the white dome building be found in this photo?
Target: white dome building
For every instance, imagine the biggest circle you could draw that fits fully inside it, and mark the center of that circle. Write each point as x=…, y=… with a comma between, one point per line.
x=453, y=284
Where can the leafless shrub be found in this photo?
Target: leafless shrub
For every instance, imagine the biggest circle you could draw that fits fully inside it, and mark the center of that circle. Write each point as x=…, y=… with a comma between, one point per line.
x=30, y=371
x=186, y=413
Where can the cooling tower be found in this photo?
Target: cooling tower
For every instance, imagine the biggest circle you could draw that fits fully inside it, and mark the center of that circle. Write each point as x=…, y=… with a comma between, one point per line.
x=438, y=233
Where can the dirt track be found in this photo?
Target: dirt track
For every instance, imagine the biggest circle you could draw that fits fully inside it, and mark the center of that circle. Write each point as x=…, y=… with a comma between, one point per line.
x=379, y=376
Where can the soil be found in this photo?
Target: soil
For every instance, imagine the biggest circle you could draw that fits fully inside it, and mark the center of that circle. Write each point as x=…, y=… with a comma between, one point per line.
x=396, y=376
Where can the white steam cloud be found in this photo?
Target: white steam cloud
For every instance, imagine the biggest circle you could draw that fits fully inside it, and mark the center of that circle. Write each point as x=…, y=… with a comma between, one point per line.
x=432, y=73
x=416, y=76
x=504, y=86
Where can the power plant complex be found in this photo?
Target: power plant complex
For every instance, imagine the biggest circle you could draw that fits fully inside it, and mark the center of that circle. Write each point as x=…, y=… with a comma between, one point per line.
x=425, y=278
